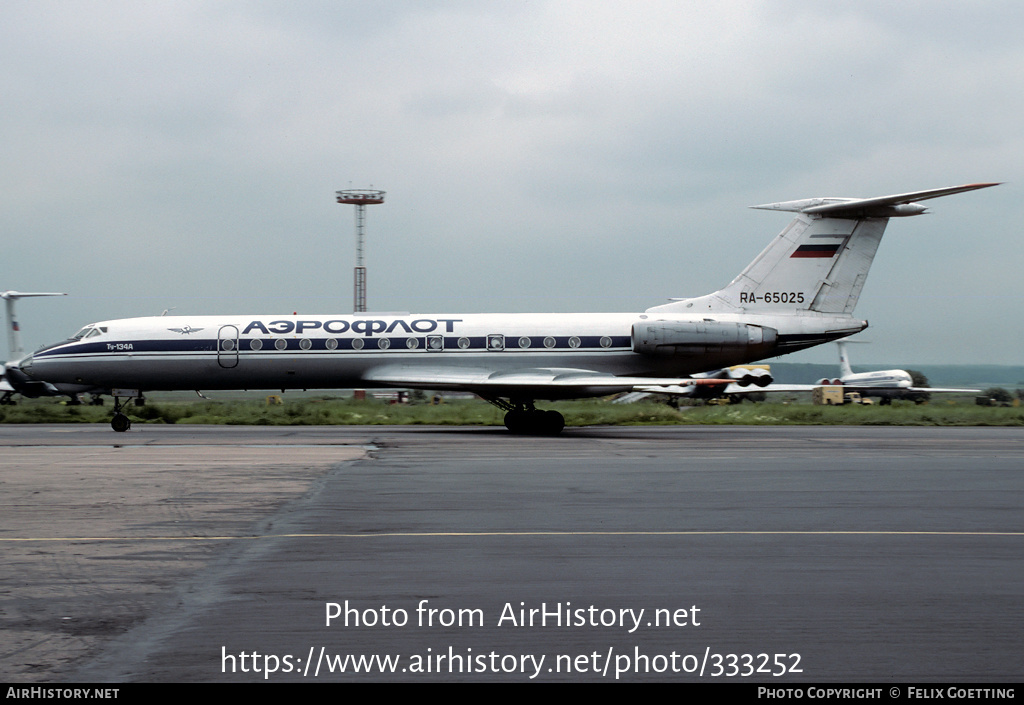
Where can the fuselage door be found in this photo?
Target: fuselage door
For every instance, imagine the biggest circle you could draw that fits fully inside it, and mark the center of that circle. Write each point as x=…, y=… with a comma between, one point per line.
x=227, y=346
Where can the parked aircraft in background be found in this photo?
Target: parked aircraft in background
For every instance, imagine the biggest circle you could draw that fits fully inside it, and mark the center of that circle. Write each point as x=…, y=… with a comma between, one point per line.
x=15, y=350
x=885, y=384
x=798, y=293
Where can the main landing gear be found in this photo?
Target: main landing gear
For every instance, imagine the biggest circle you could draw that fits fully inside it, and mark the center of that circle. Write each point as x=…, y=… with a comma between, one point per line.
x=522, y=418
x=535, y=422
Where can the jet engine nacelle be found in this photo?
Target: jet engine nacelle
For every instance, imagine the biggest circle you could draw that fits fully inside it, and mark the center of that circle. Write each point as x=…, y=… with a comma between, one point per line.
x=25, y=385
x=830, y=382
x=699, y=337
x=745, y=377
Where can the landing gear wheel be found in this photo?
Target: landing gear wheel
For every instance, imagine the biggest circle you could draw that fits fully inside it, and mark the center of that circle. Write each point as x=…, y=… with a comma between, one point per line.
x=534, y=422
x=518, y=421
x=120, y=423
x=552, y=423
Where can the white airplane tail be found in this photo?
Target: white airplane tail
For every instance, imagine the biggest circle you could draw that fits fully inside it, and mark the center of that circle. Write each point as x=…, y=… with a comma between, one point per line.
x=820, y=262
x=14, y=346
x=845, y=370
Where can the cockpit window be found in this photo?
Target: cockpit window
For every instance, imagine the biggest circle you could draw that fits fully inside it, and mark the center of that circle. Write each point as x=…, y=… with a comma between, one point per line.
x=90, y=331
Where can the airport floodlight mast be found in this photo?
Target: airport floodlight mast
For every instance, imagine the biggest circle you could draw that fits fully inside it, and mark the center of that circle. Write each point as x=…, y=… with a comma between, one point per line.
x=360, y=198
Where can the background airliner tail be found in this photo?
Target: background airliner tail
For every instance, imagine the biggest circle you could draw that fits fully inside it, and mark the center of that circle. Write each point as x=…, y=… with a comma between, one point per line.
x=820, y=262
x=845, y=370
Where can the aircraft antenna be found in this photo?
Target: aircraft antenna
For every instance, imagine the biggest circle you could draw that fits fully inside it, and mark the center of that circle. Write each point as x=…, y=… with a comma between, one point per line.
x=360, y=198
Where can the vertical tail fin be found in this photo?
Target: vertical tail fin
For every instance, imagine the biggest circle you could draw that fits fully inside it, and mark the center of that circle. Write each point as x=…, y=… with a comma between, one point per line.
x=15, y=349
x=844, y=360
x=820, y=261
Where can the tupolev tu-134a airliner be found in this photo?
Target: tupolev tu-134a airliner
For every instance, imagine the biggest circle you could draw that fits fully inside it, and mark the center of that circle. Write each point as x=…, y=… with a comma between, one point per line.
x=799, y=292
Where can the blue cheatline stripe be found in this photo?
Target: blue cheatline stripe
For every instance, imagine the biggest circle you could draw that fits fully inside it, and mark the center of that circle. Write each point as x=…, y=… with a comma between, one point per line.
x=588, y=343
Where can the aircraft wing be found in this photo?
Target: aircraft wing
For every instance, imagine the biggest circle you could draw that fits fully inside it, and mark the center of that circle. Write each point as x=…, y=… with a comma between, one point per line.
x=730, y=388
x=554, y=380
x=862, y=389
x=940, y=390
x=870, y=390
x=737, y=389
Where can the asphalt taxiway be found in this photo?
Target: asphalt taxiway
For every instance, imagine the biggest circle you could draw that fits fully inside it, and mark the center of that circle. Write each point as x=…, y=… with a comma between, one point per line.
x=775, y=554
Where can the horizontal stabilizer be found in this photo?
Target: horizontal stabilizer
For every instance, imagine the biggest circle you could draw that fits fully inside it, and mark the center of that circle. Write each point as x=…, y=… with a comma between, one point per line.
x=901, y=204
x=23, y=294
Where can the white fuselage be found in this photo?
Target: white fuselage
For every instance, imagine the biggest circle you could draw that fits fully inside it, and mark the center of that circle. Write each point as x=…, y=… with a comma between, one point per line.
x=882, y=378
x=344, y=351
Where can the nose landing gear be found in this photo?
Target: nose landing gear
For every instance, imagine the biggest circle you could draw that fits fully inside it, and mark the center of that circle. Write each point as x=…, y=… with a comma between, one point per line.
x=121, y=422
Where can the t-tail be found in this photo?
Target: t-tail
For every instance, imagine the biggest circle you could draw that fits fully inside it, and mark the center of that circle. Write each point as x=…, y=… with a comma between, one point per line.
x=820, y=262
x=15, y=349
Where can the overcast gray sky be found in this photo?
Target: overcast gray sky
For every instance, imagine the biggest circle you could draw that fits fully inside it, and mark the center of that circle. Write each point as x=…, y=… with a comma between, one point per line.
x=537, y=156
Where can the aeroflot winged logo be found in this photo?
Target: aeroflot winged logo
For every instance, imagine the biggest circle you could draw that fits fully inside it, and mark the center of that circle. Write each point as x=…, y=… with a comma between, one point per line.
x=185, y=330
x=363, y=326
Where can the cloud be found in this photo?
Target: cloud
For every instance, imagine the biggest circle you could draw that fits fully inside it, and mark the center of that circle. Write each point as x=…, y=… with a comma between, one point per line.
x=536, y=155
